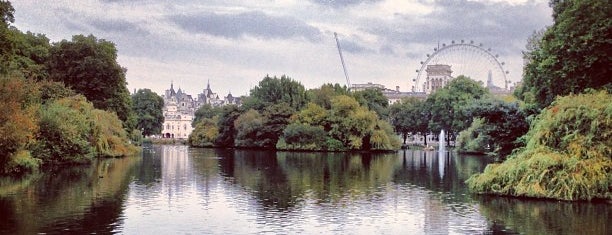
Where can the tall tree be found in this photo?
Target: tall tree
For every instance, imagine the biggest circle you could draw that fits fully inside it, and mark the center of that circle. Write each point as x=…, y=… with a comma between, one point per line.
x=205, y=111
x=409, y=116
x=89, y=66
x=31, y=52
x=6, y=41
x=574, y=53
x=148, y=108
x=227, y=130
x=374, y=100
x=447, y=105
x=273, y=90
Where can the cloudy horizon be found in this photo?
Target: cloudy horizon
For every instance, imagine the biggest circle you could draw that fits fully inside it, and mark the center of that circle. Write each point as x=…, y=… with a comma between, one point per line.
x=235, y=45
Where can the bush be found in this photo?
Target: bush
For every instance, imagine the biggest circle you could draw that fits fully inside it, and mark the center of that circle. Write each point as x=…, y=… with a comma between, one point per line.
x=204, y=134
x=22, y=162
x=65, y=131
x=567, y=156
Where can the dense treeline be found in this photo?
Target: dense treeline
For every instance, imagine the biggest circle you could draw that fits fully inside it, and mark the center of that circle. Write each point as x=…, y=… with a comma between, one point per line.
x=478, y=121
x=567, y=151
x=63, y=103
x=281, y=114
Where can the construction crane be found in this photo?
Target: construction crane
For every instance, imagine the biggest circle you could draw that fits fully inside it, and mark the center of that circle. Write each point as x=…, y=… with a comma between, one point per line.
x=348, y=81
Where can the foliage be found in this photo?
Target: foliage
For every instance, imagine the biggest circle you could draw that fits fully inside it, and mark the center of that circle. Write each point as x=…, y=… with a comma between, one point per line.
x=501, y=125
x=65, y=132
x=205, y=133
x=410, y=115
x=567, y=155
x=205, y=111
x=447, y=104
x=18, y=101
x=227, y=130
x=73, y=131
x=31, y=52
x=255, y=130
x=322, y=96
x=476, y=138
x=276, y=118
x=109, y=137
x=6, y=41
x=273, y=90
x=147, y=106
x=89, y=66
x=22, y=162
x=51, y=91
x=573, y=54
x=247, y=127
x=297, y=136
x=374, y=100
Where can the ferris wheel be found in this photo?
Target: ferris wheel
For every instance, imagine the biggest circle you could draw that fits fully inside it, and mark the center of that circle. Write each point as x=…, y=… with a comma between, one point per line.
x=465, y=58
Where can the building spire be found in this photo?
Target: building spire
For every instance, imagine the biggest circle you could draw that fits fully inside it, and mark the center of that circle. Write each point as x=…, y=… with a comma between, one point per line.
x=208, y=85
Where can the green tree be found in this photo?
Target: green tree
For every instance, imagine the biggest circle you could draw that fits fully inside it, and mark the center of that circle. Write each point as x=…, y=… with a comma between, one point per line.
x=447, y=105
x=374, y=100
x=410, y=115
x=148, y=108
x=89, y=66
x=298, y=136
x=247, y=127
x=205, y=133
x=227, y=130
x=502, y=124
x=567, y=155
x=6, y=39
x=273, y=90
x=31, y=52
x=322, y=96
x=276, y=118
x=205, y=111
x=574, y=53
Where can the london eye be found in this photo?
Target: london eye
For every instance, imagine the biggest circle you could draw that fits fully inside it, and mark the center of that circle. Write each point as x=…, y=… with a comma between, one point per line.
x=465, y=58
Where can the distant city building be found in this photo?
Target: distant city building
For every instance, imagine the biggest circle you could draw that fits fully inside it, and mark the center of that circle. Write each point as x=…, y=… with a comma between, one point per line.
x=393, y=96
x=180, y=107
x=438, y=75
x=495, y=90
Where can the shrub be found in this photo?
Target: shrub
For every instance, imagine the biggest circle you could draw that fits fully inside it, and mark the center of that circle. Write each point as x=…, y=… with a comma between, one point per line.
x=567, y=156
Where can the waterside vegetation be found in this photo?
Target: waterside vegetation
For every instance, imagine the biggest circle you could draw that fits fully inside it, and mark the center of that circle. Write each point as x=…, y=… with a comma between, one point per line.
x=62, y=103
x=566, y=92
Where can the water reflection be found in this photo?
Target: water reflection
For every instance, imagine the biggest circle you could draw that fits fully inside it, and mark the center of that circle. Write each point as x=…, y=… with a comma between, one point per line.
x=74, y=200
x=176, y=189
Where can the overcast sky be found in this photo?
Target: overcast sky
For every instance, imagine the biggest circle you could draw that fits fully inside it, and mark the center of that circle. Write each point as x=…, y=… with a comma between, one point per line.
x=234, y=44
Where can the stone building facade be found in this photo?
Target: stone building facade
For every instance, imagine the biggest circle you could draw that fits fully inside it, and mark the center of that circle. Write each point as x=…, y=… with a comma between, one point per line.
x=438, y=75
x=180, y=107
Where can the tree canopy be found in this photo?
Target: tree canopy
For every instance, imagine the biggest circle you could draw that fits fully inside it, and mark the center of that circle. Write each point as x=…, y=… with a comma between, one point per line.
x=89, y=66
x=573, y=54
x=148, y=108
x=273, y=90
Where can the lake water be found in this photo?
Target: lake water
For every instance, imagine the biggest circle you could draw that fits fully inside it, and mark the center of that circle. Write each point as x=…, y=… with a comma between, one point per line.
x=181, y=190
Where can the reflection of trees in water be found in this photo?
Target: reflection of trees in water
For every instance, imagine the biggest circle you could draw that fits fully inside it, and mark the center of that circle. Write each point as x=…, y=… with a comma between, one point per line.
x=77, y=199
x=282, y=180
x=530, y=216
x=445, y=173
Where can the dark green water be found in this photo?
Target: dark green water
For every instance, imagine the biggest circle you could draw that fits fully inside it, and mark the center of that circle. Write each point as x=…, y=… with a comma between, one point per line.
x=180, y=190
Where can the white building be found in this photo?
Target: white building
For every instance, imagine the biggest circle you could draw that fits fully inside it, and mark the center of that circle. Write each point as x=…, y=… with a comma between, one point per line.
x=180, y=107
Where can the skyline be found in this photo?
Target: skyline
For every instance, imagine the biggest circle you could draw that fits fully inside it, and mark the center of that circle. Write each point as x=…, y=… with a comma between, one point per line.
x=234, y=46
